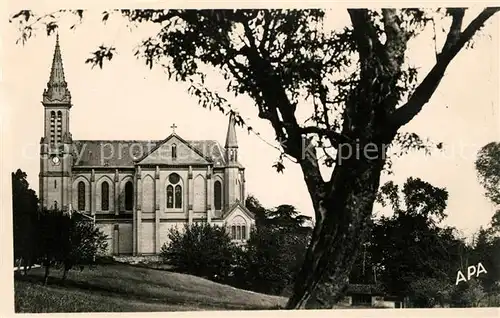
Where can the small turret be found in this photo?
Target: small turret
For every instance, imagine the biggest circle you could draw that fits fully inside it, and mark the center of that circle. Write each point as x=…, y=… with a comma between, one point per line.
x=231, y=141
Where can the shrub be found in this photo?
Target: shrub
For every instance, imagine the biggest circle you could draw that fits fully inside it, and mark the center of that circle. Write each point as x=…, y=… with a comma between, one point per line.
x=468, y=294
x=203, y=250
x=67, y=241
x=271, y=261
x=84, y=243
x=430, y=292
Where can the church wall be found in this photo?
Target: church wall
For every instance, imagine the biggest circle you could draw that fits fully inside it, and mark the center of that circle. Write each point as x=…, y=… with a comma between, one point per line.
x=86, y=180
x=54, y=191
x=219, y=174
x=125, y=238
x=148, y=193
x=239, y=218
x=100, y=178
x=147, y=239
x=218, y=177
x=163, y=154
x=200, y=192
x=199, y=215
x=123, y=178
x=182, y=213
x=231, y=193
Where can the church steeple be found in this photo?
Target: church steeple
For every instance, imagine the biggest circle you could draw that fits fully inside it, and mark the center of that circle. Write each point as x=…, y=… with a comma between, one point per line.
x=231, y=141
x=233, y=190
x=57, y=89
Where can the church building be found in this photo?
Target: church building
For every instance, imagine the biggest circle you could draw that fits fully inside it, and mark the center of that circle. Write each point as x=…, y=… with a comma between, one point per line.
x=137, y=190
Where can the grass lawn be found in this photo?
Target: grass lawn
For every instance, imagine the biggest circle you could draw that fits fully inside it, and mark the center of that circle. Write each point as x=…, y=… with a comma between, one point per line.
x=125, y=288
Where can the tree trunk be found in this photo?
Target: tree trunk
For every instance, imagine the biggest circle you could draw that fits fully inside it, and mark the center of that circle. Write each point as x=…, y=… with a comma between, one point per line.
x=47, y=271
x=65, y=273
x=67, y=267
x=338, y=236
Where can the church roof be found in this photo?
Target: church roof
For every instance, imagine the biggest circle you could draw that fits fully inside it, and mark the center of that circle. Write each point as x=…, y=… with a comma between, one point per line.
x=124, y=153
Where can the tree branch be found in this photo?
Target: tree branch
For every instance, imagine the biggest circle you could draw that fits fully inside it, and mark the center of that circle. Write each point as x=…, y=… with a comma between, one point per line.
x=335, y=138
x=457, y=15
x=453, y=45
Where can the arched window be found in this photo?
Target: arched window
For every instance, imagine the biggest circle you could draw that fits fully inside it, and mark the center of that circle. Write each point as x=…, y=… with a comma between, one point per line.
x=81, y=196
x=170, y=197
x=174, y=151
x=178, y=197
x=239, y=229
x=104, y=196
x=238, y=232
x=59, y=127
x=218, y=195
x=52, y=126
x=174, y=192
x=129, y=196
x=233, y=232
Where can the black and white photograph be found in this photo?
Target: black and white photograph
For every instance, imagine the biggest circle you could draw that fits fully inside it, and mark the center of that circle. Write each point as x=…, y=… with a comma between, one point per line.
x=267, y=157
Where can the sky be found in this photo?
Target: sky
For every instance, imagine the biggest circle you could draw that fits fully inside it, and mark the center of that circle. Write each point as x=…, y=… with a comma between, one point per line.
x=127, y=100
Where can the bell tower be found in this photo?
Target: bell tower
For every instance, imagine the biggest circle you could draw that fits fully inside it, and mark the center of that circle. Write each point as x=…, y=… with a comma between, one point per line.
x=55, y=145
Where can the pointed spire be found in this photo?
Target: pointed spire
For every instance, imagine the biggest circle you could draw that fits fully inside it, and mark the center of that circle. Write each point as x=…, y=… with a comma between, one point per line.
x=231, y=141
x=57, y=88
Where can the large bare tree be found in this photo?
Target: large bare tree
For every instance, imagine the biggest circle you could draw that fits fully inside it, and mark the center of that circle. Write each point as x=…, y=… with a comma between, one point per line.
x=357, y=81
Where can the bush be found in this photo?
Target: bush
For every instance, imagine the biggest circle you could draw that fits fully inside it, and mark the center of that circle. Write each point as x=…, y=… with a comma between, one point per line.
x=203, y=250
x=430, y=292
x=468, y=294
x=271, y=261
x=84, y=243
x=67, y=241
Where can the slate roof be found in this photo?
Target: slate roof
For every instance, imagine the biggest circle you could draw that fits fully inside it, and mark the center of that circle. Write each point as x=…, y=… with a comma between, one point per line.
x=122, y=153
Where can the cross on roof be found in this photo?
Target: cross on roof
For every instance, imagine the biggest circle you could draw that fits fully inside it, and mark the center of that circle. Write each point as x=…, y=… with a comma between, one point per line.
x=173, y=128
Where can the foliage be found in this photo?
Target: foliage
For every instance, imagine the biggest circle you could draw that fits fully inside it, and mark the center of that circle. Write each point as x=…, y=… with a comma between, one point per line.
x=487, y=240
x=430, y=292
x=488, y=170
x=275, y=250
x=410, y=246
x=54, y=232
x=271, y=260
x=84, y=243
x=68, y=241
x=254, y=206
x=25, y=217
x=468, y=294
x=486, y=250
x=410, y=254
x=355, y=82
x=200, y=249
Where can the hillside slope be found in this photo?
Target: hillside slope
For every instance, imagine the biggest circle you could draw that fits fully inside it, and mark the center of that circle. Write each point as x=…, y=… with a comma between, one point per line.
x=120, y=287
